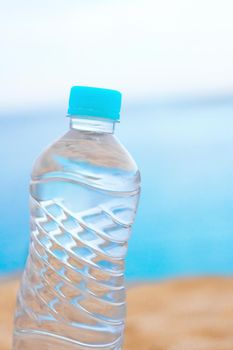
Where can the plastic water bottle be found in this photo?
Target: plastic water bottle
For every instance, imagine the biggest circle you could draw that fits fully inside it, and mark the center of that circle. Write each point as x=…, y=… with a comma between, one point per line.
x=84, y=192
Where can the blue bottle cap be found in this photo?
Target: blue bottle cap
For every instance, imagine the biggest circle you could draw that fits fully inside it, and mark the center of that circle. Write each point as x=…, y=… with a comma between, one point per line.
x=94, y=102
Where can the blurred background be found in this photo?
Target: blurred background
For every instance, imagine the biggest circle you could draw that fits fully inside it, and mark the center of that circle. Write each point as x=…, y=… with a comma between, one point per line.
x=172, y=60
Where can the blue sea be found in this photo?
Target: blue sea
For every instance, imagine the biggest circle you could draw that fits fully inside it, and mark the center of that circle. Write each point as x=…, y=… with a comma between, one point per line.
x=184, y=150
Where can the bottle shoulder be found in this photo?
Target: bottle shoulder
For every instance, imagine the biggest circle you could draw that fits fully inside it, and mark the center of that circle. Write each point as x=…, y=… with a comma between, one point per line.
x=98, y=159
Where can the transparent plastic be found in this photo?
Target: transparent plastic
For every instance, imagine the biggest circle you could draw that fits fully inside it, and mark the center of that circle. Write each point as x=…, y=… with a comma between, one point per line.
x=84, y=193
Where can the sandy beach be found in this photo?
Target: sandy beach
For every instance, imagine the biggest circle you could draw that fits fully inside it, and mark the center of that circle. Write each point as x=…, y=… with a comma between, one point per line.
x=184, y=314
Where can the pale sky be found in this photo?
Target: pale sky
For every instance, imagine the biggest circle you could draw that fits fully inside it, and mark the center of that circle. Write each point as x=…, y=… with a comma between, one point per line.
x=144, y=48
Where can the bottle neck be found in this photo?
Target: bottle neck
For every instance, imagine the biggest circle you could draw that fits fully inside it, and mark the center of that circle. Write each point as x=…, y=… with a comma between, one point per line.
x=92, y=125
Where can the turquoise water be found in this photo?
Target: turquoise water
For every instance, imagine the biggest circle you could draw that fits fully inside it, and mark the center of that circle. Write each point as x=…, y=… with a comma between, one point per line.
x=184, y=150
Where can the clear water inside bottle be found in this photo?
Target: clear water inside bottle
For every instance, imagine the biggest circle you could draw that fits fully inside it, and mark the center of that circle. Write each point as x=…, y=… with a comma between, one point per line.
x=83, y=198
